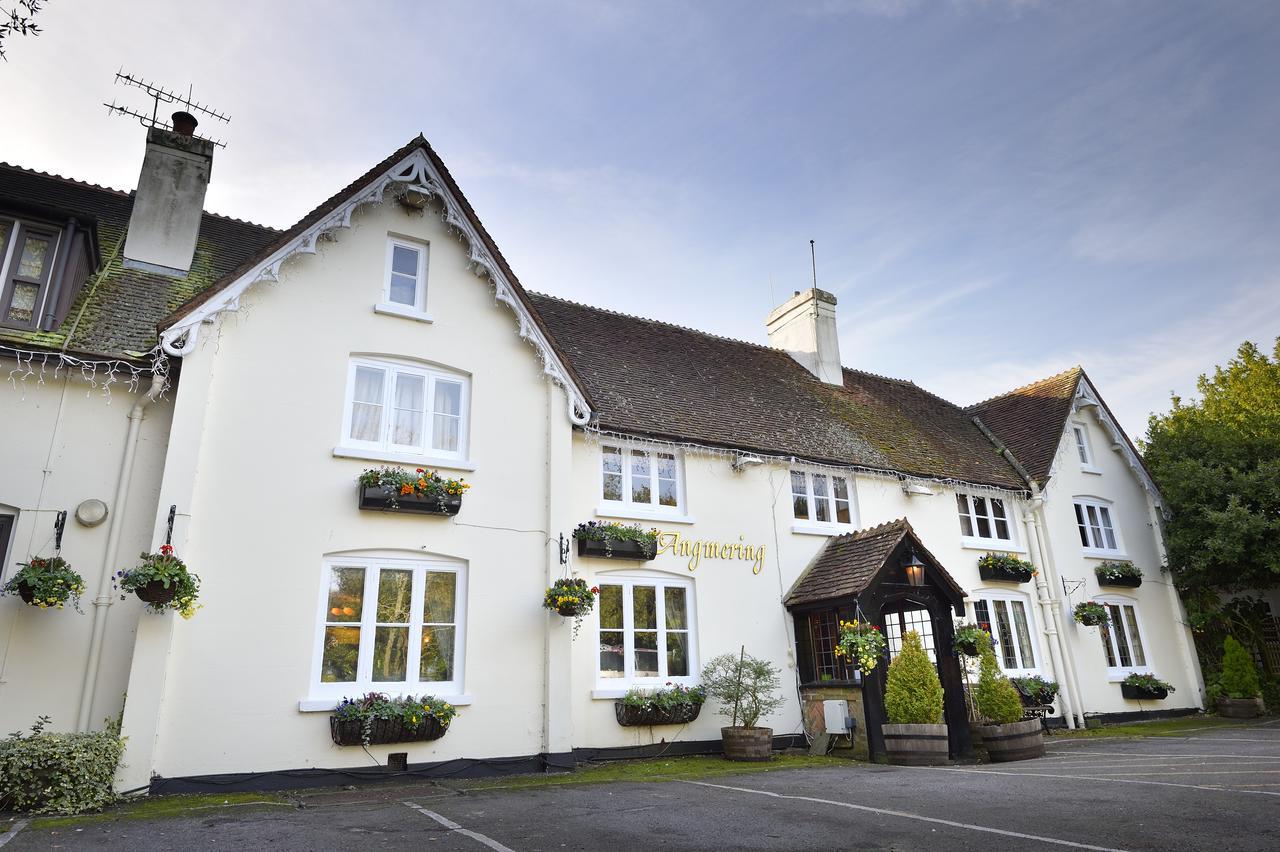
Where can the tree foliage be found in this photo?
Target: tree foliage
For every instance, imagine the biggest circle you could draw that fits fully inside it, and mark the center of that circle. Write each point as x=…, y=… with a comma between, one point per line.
x=913, y=694
x=747, y=687
x=18, y=20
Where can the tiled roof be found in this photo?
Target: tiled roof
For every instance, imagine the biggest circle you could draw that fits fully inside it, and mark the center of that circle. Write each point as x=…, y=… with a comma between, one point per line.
x=664, y=381
x=1029, y=420
x=116, y=313
x=849, y=563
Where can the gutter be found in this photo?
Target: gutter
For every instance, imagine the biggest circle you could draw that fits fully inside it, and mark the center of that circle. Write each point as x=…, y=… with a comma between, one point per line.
x=111, y=553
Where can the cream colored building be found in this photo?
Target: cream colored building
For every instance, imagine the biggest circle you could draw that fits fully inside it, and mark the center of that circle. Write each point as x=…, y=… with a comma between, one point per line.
x=386, y=328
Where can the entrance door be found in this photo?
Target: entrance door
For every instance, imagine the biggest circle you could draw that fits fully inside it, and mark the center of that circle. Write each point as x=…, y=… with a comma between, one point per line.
x=909, y=616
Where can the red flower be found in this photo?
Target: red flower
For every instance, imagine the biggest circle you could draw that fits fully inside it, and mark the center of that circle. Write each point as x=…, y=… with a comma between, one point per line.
x=420, y=470
x=166, y=549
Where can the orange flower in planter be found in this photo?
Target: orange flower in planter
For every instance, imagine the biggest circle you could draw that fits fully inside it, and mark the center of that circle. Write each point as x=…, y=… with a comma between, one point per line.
x=406, y=489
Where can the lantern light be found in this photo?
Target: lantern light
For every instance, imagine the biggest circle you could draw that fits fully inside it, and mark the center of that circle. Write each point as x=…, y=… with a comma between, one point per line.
x=915, y=569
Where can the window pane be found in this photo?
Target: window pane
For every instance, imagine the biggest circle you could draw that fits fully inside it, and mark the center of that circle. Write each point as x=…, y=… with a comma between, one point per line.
x=644, y=613
x=404, y=260
x=611, y=651
x=640, y=490
x=666, y=479
x=22, y=306
x=34, y=252
x=1004, y=633
x=612, y=486
x=611, y=459
x=1002, y=529
x=390, y=653
x=438, y=606
x=980, y=515
x=1105, y=631
x=1023, y=633
x=5, y=227
x=799, y=496
x=966, y=525
x=366, y=410
x=447, y=428
x=1135, y=641
x=1081, y=447
x=406, y=425
x=1084, y=532
x=346, y=593
x=403, y=290
x=675, y=608
x=821, y=498
x=1109, y=535
x=437, y=654
x=677, y=654
x=646, y=662
x=394, y=591
x=611, y=465
x=982, y=614
x=1122, y=641
x=610, y=607
x=843, y=512
x=341, y=653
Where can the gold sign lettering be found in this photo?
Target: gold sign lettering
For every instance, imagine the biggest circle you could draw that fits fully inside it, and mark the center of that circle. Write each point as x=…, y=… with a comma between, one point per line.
x=695, y=550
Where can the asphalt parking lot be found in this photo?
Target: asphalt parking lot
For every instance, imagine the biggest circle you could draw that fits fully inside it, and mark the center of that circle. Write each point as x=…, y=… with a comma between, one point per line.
x=1211, y=789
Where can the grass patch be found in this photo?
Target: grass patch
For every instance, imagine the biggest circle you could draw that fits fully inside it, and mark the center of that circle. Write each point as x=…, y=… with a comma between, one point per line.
x=160, y=807
x=1157, y=728
x=652, y=769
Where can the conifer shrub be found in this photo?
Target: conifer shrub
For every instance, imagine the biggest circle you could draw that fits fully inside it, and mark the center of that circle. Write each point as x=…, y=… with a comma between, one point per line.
x=1239, y=674
x=997, y=699
x=913, y=694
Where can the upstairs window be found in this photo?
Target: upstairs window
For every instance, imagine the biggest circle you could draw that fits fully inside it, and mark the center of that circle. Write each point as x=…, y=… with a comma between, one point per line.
x=1098, y=535
x=399, y=408
x=1121, y=638
x=984, y=518
x=639, y=478
x=26, y=265
x=822, y=498
x=406, y=274
x=1083, y=450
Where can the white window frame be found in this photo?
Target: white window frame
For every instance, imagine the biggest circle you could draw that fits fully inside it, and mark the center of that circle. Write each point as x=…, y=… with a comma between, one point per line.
x=1083, y=447
x=978, y=542
x=615, y=687
x=1083, y=503
x=1118, y=673
x=626, y=508
x=811, y=525
x=325, y=696
x=384, y=449
x=418, y=310
x=993, y=595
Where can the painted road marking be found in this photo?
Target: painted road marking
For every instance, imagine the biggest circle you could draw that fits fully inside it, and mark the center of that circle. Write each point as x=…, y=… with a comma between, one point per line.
x=13, y=831
x=453, y=826
x=906, y=815
x=1094, y=778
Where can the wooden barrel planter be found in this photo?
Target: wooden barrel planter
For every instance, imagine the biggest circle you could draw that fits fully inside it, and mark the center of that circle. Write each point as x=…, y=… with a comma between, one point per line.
x=1139, y=693
x=747, y=744
x=380, y=498
x=629, y=716
x=1015, y=741
x=617, y=549
x=1238, y=708
x=350, y=732
x=916, y=745
x=157, y=593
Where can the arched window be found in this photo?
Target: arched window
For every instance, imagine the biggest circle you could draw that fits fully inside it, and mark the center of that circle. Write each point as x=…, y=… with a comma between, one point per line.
x=1008, y=617
x=646, y=630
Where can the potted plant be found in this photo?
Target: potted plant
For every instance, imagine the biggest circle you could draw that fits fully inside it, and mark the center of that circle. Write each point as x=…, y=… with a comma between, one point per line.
x=747, y=689
x=671, y=705
x=1145, y=687
x=862, y=643
x=1005, y=734
x=1118, y=574
x=46, y=583
x=421, y=491
x=163, y=582
x=1240, y=683
x=613, y=540
x=916, y=734
x=376, y=719
x=1090, y=613
x=968, y=639
x=572, y=598
x=1035, y=690
x=1005, y=568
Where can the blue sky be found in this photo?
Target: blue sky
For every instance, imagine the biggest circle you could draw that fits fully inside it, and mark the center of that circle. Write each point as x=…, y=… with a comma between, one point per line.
x=999, y=189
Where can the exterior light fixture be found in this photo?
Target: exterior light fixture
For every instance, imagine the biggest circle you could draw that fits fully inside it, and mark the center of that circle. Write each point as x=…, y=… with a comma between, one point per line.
x=912, y=489
x=915, y=569
x=743, y=462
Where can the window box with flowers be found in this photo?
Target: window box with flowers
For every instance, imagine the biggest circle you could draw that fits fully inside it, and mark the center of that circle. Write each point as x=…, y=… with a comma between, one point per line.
x=163, y=582
x=421, y=491
x=616, y=541
x=1118, y=574
x=46, y=583
x=1145, y=687
x=672, y=705
x=1090, y=613
x=1005, y=568
x=376, y=719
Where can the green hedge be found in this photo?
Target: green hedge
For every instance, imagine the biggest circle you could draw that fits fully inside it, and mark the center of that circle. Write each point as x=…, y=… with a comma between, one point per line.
x=48, y=773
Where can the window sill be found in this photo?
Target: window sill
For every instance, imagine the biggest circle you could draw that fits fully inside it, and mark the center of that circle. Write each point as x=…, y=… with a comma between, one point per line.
x=403, y=458
x=990, y=544
x=1118, y=675
x=326, y=705
x=1089, y=469
x=611, y=510
x=391, y=309
x=614, y=693
x=819, y=528
x=1090, y=553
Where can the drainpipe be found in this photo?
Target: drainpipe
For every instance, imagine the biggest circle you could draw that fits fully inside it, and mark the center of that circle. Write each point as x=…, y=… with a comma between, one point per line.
x=1052, y=579
x=1048, y=607
x=111, y=555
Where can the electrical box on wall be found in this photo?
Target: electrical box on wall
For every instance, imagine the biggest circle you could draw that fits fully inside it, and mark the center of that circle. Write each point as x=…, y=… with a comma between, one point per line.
x=836, y=714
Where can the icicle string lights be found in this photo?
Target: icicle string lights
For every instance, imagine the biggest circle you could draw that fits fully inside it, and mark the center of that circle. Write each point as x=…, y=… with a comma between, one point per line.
x=98, y=374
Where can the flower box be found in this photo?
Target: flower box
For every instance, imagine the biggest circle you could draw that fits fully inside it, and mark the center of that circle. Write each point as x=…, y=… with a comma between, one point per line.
x=1118, y=574
x=617, y=549
x=1142, y=693
x=1003, y=574
x=350, y=732
x=382, y=498
x=1128, y=582
x=630, y=716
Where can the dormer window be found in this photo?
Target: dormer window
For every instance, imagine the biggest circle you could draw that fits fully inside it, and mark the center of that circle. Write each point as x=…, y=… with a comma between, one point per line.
x=1083, y=450
x=404, y=289
x=31, y=297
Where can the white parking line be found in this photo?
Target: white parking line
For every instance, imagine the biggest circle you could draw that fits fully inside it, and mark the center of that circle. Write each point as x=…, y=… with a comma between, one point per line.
x=1091, y=778
x=13, y=831
x=453, y=826
x=905, y=815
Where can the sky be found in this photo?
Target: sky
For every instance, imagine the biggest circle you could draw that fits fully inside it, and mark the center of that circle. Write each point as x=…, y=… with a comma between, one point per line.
x=997, y=189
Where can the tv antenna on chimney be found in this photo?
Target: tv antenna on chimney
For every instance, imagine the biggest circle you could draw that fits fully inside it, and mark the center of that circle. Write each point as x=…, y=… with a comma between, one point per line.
x=160, y=95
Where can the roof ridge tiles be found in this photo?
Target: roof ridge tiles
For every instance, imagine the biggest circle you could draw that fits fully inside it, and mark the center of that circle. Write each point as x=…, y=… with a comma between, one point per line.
x=1076, y=369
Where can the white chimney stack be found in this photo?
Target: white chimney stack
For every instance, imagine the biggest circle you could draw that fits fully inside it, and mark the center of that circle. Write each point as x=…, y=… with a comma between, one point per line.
x=169, y=202
x=805, y=328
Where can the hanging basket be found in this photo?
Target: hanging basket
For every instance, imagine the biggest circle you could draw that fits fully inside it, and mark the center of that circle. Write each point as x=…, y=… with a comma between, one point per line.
x=350, y=732
x=157, y=593
x=25, y=592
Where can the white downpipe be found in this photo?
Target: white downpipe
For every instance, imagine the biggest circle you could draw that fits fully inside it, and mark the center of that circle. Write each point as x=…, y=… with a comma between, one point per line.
x=1046, y=557
x=110, y=555
x=1047, y=606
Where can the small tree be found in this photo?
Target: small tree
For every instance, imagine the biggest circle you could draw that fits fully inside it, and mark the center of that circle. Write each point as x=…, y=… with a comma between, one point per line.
x=913, y=695
x=1239, y=675
x=996, y=697
x=746, y=687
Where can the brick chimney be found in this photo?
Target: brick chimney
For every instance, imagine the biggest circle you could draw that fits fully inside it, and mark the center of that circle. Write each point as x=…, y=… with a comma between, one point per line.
x=805, y=328
x=170, y=199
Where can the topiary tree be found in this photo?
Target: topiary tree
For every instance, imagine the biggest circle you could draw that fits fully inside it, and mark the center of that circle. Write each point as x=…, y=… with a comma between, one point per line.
x=913, y=695
x=1239, y=675
x=746, y=687
x=996, y=697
